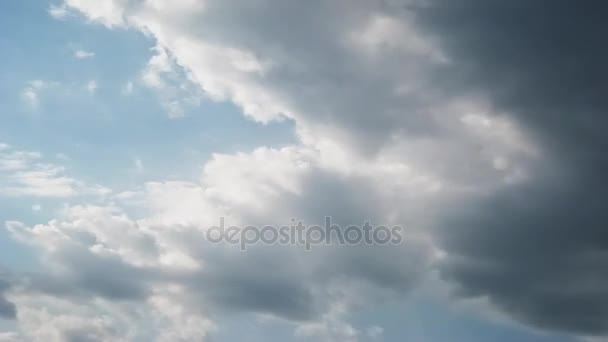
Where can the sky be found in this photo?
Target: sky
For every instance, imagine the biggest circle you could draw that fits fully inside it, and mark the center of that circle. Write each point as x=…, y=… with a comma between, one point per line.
x=129, y=128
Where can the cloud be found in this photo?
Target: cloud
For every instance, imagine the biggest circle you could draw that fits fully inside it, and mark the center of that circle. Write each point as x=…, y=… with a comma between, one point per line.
x=58, y=12
x=535, y=250
x=333, y=327
x=28, y=173
x=7, y=308
x=31, y=93
x=9, y=337
x=43, y=321
x=127, y=88
x=138, y=164
x=483, y=133
x=166, y=78
x=83, y=54
x=376, y=142
x=91, y=86
x=163, y=260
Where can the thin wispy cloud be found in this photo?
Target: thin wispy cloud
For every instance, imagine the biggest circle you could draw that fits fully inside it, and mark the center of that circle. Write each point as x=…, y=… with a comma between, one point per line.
x=83, y=54
x=34, y=89
x=58, y=11
x=128, y=88
x=30, y=174
x=91, y=86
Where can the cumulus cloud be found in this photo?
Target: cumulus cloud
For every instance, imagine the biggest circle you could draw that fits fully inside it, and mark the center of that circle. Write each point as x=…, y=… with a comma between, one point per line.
x=25, y=173
x=109, y=13
x=483, y=133
x=162, y=260
x=536, y=250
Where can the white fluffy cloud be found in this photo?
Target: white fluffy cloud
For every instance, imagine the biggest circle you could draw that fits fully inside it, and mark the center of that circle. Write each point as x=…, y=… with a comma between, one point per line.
x=161, y=259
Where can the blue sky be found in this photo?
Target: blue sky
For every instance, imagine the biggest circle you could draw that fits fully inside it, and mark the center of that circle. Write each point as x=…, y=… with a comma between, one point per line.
x=127, y=127
x=99, y=137
x=108, y=122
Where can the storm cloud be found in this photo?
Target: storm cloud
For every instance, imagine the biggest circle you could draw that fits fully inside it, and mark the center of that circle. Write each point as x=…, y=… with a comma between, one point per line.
x=538, y=250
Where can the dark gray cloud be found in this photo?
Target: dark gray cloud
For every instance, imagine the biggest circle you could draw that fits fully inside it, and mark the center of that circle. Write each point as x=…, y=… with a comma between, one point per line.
x=7, y=309
x=538, y=250
x=541, y=60
x=234, y=285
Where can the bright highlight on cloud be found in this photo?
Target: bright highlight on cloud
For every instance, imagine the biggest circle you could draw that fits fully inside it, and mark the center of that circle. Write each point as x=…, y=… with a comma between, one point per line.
x=481, y=134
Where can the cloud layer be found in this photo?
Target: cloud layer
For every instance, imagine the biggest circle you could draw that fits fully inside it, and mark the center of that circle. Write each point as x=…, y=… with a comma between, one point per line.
x=476, y=124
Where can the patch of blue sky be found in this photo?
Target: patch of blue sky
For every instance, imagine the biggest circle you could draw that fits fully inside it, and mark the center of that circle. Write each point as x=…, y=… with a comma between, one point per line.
x=104, y=133
x=104, y=136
